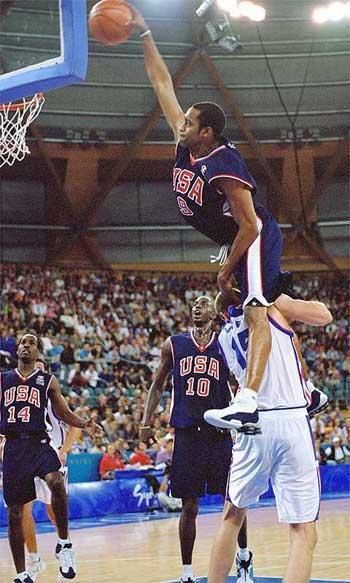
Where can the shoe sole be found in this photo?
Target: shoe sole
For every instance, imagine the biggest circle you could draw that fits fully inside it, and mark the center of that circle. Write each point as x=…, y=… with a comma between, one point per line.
x=247, y=428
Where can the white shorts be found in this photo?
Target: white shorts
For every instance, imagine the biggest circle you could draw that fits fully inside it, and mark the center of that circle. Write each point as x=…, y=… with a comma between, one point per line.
x=283, y=453
x=43, y=492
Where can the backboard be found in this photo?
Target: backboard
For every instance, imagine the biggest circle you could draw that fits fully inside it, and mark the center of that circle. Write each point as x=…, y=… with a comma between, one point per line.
x=43, y=45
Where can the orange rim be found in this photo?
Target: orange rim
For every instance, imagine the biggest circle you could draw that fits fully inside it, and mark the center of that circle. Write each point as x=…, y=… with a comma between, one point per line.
x=22, y=105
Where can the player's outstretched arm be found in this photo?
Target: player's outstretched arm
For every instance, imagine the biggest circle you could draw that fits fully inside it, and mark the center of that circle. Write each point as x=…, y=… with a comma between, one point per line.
x=309, y=312
x=156, y=390
x=63, y=411
x=159, y=76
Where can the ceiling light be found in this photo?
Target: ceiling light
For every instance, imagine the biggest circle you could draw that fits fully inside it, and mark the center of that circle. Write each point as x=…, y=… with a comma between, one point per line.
x=336, y=11
x=257, y=13
x=320, y=14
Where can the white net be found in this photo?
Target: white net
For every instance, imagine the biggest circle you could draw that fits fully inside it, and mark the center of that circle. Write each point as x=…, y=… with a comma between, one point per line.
x=14, y=122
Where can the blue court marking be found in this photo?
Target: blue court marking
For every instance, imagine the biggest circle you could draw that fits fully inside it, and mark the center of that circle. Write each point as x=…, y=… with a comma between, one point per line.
x=135, y=517
x=265, y=580
x=69, y=68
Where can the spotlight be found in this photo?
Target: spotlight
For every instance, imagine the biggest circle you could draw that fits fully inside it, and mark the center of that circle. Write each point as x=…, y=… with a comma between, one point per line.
x=336, y=11
x=320, y=15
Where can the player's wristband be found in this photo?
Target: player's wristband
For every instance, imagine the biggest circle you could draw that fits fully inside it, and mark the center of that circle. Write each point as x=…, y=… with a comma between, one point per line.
x=145, y=33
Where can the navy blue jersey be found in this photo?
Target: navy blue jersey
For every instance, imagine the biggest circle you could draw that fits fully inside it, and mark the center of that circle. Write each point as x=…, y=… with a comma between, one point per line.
x=23, y=402
x=200, y=380
x=201, y=204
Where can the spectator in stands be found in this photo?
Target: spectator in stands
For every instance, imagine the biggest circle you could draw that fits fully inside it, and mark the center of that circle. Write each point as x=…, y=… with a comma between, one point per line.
x=122, y=450
x=91, y=375
x=110, y=462
x=336, y=452
x=166, y=452
x=99, y=446
x=110, y=425
x=140, y=456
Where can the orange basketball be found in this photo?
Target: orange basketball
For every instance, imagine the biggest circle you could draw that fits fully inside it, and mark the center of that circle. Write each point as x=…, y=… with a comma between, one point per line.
x=110, y=21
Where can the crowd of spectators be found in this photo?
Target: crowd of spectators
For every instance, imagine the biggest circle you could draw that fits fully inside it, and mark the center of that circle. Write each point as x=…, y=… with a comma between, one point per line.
x=102, y=334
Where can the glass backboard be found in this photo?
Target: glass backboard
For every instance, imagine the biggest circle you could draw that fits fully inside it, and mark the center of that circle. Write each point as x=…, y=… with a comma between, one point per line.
x=43, y=45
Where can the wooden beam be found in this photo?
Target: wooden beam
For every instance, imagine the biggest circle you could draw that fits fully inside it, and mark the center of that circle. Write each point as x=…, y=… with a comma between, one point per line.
x=233, y=106
x=325, y=179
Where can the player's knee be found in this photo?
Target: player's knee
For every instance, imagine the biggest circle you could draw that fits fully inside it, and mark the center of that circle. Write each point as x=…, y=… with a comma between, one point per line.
x=306, y=533
x=233, y=514
x=190, y=508
x=55, y=482
x=15, y=513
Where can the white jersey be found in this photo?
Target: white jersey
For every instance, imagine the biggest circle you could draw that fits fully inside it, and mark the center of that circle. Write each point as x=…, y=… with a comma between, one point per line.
x=283, y=386
x=55, y=427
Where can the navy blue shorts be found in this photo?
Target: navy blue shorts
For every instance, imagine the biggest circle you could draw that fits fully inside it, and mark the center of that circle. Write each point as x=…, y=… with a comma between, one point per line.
x=23, y=460
x=258, y=271
x=201, y=462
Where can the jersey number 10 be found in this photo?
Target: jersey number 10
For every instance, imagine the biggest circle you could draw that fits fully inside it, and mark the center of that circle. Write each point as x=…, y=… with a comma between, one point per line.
x=202, y=389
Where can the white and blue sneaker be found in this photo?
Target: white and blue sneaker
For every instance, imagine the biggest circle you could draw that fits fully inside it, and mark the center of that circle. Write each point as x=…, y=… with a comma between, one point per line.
x=245, y=572
x=242, y=415
x=35, y=567
x=66, y=557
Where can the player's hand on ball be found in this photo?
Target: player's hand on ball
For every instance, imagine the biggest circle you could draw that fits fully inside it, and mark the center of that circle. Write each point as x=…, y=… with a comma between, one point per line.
x=139, y=24
x=146, y=435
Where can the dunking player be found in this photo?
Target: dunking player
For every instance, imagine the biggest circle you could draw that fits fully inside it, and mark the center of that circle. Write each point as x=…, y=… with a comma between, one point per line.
x=24, y=394
x=201, y=454
x=214, y=192
x=62, y=438
x=284, y=453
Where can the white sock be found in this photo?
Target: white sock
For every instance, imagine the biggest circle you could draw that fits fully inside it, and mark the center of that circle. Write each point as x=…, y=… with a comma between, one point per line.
x=34, y=556
x=63, y=541
x=247, y=392
x=187, y=572
x=243, y=554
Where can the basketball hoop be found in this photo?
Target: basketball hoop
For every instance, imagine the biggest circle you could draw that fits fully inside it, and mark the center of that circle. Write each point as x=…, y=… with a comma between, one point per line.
x=15, y=119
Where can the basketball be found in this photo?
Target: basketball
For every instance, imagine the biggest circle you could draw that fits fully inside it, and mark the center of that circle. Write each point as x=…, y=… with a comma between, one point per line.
x=110, y=21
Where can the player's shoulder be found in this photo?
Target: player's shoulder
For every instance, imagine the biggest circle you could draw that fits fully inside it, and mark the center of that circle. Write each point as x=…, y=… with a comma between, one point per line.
x=180, y=337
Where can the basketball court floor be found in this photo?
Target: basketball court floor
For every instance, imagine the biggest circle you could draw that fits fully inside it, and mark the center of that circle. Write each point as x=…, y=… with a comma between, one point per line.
x=144, y=548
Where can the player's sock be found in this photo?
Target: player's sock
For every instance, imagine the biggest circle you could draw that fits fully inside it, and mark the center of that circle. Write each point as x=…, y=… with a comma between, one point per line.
x=33, y=557
x=187, y=572
x=247, y=392
x=63, y=541
x=243, y=554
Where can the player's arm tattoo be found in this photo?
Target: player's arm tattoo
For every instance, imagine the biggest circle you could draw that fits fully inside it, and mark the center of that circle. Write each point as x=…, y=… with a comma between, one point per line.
x=61, y=408
x=157, y=387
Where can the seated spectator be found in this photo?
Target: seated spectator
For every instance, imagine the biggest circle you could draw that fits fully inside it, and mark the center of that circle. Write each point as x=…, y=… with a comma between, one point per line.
x=99, y=446
x=110, y=425
x=166, y=453
x=91, y=375
x=110, y=462
x=140, y=456
x=336, y=453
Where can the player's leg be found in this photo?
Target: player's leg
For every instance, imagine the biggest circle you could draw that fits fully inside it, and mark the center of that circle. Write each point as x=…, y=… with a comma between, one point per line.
x=258, y=278
x=51, y=514
x=187, y=481
x=187, y=536
x=223, y=550
x=16, y=536
x=302, y=541
x=59, y=503
x=244, y=557
x=35, y=564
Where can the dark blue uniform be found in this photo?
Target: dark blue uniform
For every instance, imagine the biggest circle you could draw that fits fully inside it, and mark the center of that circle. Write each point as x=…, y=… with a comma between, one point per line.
x=207, y=210
x=202, y=454
x=27, y=452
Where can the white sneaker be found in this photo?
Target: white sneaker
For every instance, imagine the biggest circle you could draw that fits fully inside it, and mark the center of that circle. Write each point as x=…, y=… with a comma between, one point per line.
x=242, y=415
x=35, y=567
x=66, y=557
x=188, y=580
x=245, y=570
